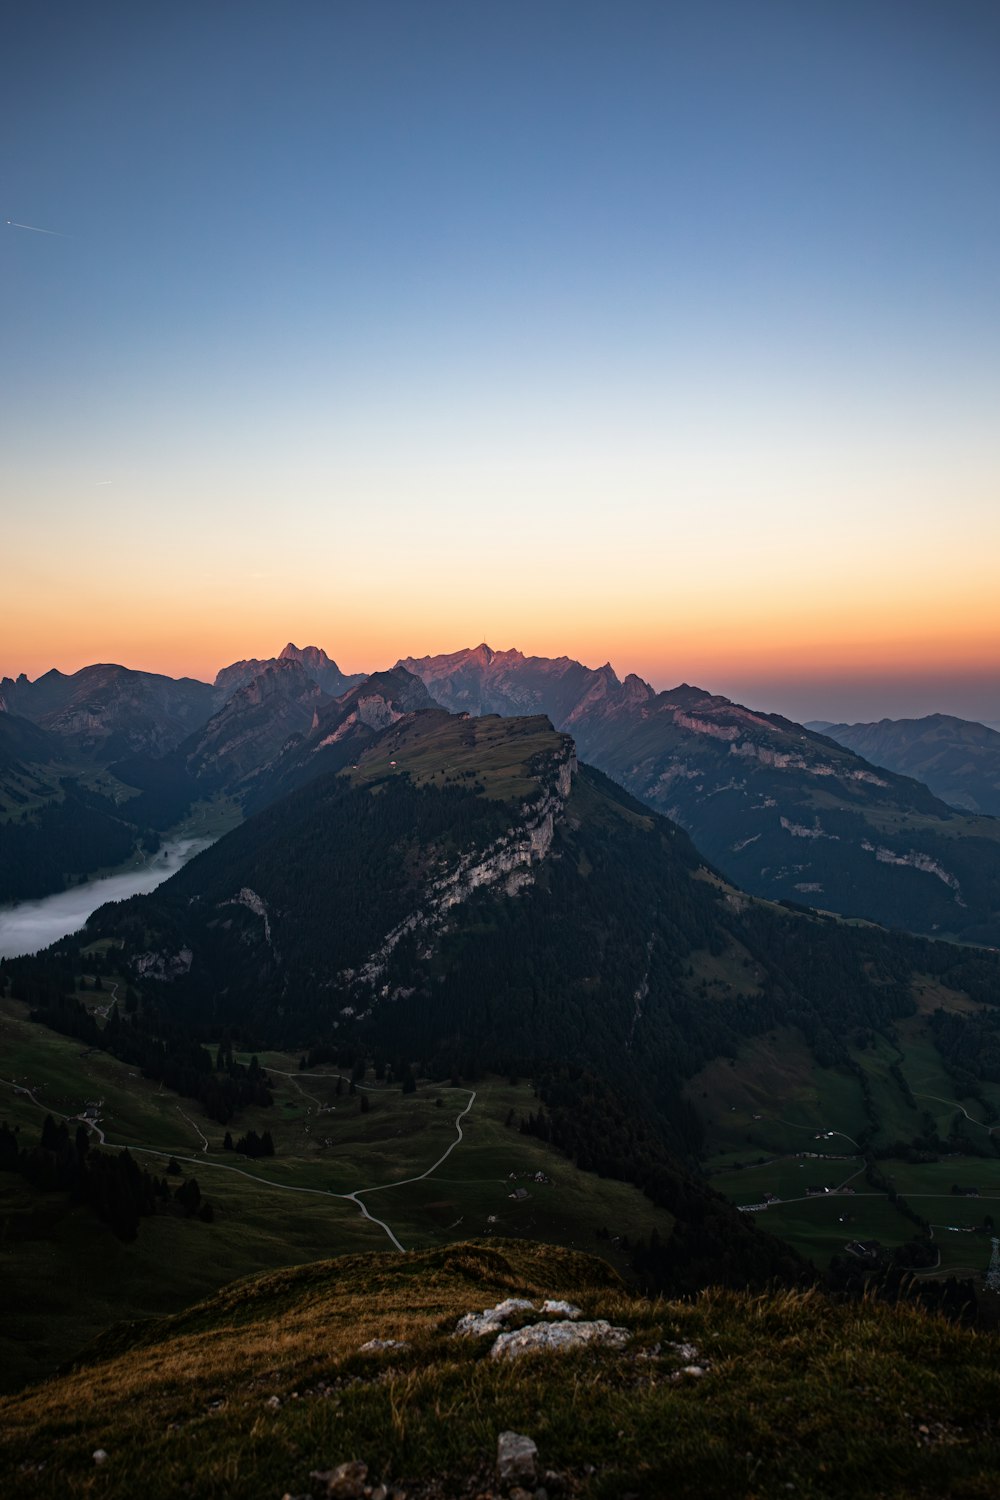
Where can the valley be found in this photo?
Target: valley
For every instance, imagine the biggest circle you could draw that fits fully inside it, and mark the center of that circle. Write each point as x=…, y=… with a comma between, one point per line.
x=461, y=901
x=27, y=926
x=492, y=1007
x=827, y=1146
x=423, y=1184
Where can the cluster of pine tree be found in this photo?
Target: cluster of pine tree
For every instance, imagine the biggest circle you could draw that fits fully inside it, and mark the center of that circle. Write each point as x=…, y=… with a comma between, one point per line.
x=78, y=834
x=710, y=1243
x=118, y=1190
x=250, y=1144
x=162, y=1049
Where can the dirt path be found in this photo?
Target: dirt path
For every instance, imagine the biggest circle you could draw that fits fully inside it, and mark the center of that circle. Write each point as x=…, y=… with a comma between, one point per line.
x=366, y=1088
x=955, y=1105
x=792, y=1126
x=90, y=1124
x=354, y=1197
x=384, y=1187
x=283, y=1187
x=195, y=1126
x=20, y=1089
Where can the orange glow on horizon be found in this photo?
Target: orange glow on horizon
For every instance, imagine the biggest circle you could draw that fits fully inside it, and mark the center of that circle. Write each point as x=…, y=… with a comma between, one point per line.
x=700, y=619
x=676, y=651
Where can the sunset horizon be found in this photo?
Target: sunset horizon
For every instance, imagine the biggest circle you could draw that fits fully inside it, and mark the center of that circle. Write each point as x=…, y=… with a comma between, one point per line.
x=672, y=343
x=867, y=683
x=500, y=749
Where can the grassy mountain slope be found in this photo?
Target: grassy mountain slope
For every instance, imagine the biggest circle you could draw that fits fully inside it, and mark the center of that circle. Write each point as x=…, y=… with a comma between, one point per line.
x=252, y=1392
x=958, y=759
x=445, y=898
x=59, y=818
x=461, y=896
x=462, y=899
x=787, y=813
x=68, y=1277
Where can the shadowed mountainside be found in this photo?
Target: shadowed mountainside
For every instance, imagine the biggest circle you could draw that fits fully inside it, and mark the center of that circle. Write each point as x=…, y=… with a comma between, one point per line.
x=786, y=812
x=958, y=759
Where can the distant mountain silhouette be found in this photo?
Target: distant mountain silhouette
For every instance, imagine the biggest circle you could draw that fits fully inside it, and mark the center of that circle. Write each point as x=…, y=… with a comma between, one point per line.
x=958, y=759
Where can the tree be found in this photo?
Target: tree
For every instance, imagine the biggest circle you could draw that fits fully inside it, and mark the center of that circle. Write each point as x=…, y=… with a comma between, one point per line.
x=188, y=1195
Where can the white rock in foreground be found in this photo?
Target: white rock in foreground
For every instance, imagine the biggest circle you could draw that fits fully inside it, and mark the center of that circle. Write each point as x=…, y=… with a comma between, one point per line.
x=491, y=1319
x=566, y=1309
x=564, y=1335
x=516, y=1458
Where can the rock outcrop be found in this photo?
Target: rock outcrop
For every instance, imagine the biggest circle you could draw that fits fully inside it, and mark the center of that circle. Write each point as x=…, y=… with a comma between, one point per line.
x=558, y=1337
x=504, y=865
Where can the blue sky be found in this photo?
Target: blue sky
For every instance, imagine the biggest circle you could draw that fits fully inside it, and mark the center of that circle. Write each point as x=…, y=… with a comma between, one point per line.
x=672, y=327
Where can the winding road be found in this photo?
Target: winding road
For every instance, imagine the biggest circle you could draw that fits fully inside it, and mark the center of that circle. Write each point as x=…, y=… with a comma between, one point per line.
x=955, y=1105
x=283, y=1187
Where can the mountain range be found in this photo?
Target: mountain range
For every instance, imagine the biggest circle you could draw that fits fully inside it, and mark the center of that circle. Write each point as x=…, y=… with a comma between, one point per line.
x=465, y=894
x=958, y=759
x=784, y=810
x=442, y=895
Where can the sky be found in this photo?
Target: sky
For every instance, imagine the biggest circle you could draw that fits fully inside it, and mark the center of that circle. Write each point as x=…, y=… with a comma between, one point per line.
x=666, y=334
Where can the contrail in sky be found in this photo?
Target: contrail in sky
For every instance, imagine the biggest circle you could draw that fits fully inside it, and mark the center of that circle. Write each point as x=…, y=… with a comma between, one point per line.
x=35, y=229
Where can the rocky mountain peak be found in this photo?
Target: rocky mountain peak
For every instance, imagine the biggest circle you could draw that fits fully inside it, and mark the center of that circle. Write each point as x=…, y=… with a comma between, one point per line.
x=309, y=656
x=322, y=669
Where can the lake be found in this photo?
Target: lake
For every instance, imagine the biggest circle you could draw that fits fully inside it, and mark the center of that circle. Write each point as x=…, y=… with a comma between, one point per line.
x=31, y=925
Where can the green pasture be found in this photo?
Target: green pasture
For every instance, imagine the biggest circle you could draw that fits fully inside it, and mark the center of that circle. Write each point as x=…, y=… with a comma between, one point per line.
x=773, y=1099
x=67, y=1277
x=821, y=1227
x=496, y=751
x=786, y=1177
x=470, y=1193
x=939, y=1176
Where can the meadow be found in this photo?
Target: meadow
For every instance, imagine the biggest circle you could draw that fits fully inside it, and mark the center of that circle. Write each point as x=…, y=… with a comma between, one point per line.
x=756, y=1146
x=423, y=1184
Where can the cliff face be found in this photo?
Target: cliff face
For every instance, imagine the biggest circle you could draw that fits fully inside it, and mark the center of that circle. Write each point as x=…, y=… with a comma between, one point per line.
x=274, y=706
x=506, y=866
x=483, y=681
x=745, y=785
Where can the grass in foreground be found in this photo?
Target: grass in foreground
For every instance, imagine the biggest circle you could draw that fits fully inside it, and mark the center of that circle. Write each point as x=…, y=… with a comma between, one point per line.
x=246, y=1394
